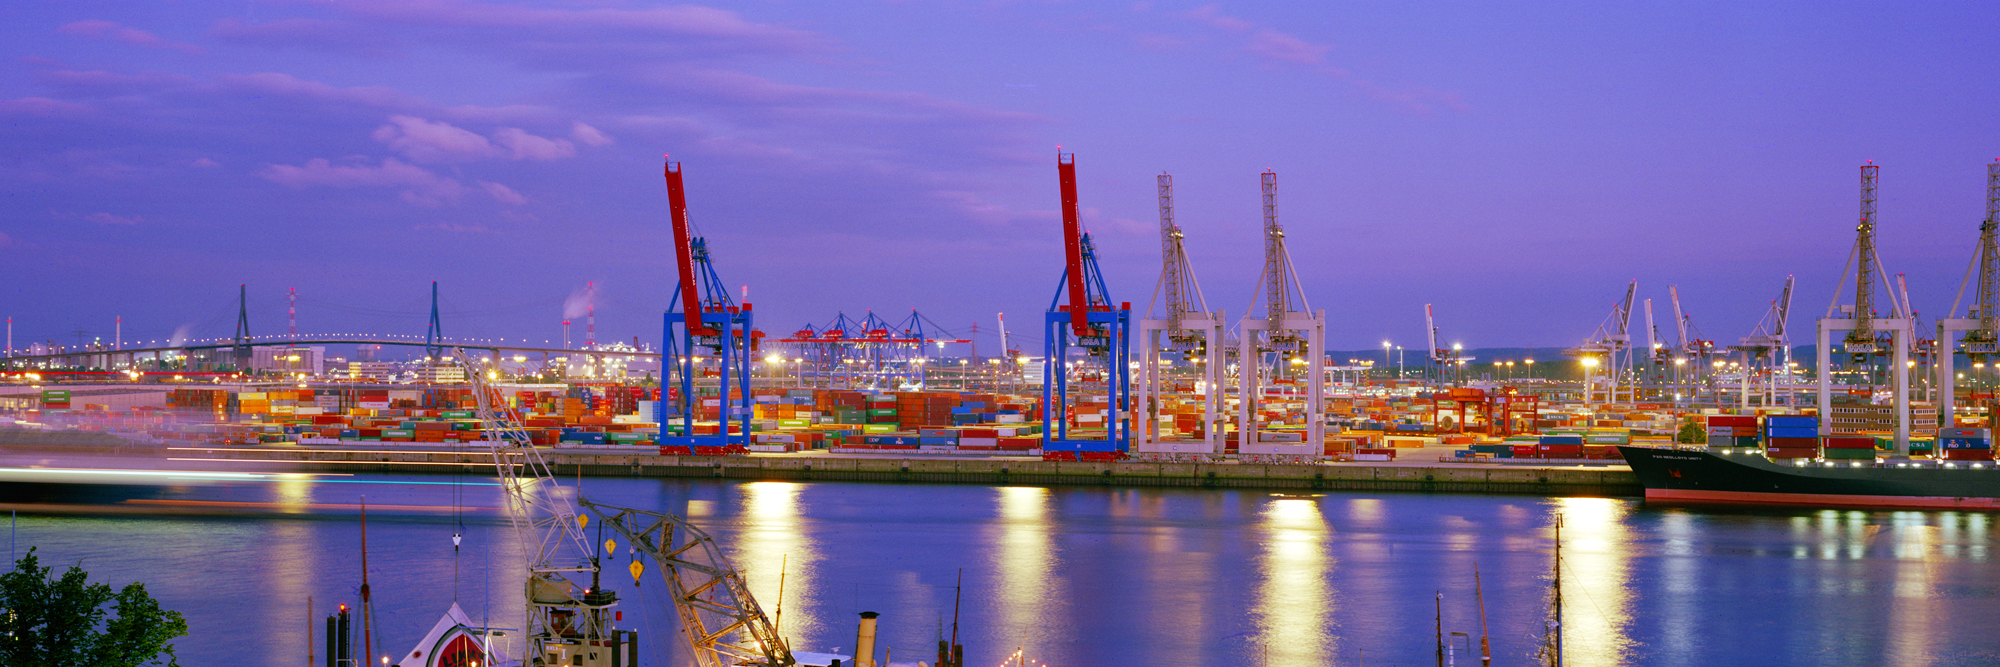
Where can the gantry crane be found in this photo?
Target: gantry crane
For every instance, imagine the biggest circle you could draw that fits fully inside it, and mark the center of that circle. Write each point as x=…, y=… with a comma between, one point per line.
x=1185, y=333
x=1981, y=325
x=1867, y=336
x=1767, y=351
x=1286, y=345
x=1606, y=348
x=1082, y=317
x=1443, y=360
x=702, y=318
x=1692, y=358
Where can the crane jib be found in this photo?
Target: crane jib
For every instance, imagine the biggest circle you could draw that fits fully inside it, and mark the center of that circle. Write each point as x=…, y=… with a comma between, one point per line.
x=1079, y=299
x=684, y=252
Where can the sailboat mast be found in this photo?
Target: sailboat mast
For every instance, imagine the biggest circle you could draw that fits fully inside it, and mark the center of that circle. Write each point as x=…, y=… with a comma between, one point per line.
x=1479, y=593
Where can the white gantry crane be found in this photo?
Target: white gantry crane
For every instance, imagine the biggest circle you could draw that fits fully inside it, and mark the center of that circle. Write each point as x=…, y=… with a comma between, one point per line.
x=1767, y=352
x=1445, y=360
x=1606, y=350
x=1287, y=346
x=1981, y=323
x=1867, y=336
x=1184, y=349
x=1691, y=359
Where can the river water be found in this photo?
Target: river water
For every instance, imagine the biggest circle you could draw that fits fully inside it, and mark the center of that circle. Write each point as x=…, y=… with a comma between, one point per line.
x=1076, y=576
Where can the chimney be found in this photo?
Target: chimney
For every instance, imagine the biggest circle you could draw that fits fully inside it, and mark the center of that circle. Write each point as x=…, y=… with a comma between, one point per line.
x=864, y=643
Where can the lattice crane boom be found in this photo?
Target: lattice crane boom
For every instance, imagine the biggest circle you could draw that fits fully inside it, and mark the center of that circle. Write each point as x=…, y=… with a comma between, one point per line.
x=720, y=620
x=1863, y=336
x=562, y=614
x=1987, y=306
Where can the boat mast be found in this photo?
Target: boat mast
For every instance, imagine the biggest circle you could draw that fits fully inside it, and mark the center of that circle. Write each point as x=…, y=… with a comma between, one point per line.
x=1478, y=593
x=1559, y=589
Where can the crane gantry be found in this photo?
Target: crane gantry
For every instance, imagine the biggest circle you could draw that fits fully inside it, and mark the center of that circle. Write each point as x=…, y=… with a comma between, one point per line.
x=1083, y=317
x=1981, y=325
x=1868, y=335
x=1606, y=348
x=1285, y=346
x=1185, y=334
x=702, y=318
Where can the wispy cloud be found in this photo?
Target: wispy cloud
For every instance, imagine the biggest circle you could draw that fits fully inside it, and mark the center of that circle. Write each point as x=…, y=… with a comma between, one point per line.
x=418, y=185
x=97, y=29
x=1279, y=48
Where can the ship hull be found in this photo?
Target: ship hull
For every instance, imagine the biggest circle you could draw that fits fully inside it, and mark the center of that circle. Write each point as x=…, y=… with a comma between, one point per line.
x=1686, y=476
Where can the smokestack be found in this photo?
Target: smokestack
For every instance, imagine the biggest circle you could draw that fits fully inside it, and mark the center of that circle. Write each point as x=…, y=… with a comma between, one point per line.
x=864, y=643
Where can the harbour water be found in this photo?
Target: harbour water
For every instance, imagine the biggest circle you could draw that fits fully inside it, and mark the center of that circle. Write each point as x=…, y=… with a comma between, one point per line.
x=1076, y=576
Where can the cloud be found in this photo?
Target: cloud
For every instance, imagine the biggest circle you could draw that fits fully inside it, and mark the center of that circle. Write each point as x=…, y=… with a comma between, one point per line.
x=113, y=219
x=1213, y=17
x=1283, y=48
x=678, y=23
x=420, y=186
x=96, y=29
x=5, y=240
x=274, y=83
x=40, y=106
x=588, y=136
x=1287, y=48
x=204, y=162
x=338, y=36
x=527, y=146
x=503, y=194
x=456, y=228
x=432, y=141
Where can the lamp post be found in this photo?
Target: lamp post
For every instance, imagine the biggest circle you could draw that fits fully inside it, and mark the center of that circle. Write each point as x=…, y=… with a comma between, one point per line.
x=1399, y=362
x=1385, y=358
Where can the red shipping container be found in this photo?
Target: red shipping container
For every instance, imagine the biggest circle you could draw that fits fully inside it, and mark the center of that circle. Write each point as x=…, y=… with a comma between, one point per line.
x=1560, y=451
x=1968, y=455
x=1797, y=443
x=1527, y=452
x=1732, y=420
x=1849, y=442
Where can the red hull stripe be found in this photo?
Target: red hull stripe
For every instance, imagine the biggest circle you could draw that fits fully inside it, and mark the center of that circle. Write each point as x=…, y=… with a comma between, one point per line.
x=1821, y=499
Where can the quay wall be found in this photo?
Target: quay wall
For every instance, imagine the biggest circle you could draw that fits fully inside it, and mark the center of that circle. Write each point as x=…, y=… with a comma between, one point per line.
x=1460, y=478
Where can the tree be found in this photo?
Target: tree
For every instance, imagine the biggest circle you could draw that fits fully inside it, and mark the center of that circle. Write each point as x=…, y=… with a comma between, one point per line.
x=1691, y=432
x=46, y=620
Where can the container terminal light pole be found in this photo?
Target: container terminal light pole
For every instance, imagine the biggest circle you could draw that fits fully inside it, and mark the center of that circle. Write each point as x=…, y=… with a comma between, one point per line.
x=701, y=316
x=1088, y=321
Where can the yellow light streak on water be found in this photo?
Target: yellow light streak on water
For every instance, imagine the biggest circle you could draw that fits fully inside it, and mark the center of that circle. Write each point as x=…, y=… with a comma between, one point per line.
x=1025, y=561
x=773, y=539
x=1292, y=601
x=1596, y=578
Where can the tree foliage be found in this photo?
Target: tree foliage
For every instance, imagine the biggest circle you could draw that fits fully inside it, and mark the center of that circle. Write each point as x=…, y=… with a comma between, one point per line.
x=46, y=620
x=1691, y=432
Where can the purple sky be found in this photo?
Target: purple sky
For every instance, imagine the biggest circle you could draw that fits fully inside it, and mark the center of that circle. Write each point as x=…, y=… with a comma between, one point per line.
x=1513, y=163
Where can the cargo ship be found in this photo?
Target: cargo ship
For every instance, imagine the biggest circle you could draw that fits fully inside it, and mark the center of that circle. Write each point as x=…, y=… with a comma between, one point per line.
x=1747, y=476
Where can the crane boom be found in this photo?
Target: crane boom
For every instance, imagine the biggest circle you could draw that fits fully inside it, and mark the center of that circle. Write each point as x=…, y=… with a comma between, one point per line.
x=721, y=621
x=1079, y=298
x=1652, y=332
x=1430, y=328
x=684, y=251
x=1680, y=321
x=563, y=615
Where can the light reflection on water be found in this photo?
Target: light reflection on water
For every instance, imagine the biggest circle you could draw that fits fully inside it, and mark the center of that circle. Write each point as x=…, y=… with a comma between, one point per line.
x=1091, y=576
x=1595, y=555
x=1293, y=598
x=773, y=542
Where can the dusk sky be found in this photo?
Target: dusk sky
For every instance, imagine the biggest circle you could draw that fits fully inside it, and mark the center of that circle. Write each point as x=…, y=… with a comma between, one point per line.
x=1514, y=164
